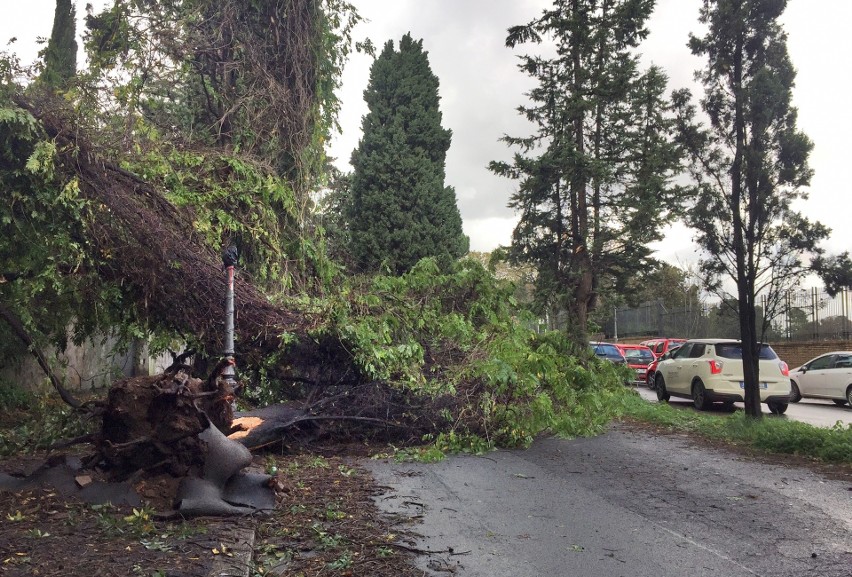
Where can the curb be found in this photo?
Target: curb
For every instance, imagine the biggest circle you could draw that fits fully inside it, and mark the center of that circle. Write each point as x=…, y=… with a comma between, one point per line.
x=235, y=551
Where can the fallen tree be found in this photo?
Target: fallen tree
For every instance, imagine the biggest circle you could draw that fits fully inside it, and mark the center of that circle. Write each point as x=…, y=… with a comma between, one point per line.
x=432, y=355
x=145, y=245
x=145, y=242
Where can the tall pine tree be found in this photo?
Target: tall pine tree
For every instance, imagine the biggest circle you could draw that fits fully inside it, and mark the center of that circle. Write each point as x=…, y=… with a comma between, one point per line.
x=60, y=56
x=594, y=176
x=399, y=210
x=749, y=165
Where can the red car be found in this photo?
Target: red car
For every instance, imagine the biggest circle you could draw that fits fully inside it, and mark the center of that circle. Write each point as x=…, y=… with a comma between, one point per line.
x=650, y=376
x=638, y=358
x=660, y=346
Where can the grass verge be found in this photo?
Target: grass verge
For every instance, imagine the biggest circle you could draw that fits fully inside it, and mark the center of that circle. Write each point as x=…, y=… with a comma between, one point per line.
x=768, y=435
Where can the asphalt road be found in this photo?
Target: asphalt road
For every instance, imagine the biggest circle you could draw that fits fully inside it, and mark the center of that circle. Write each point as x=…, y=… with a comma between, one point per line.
x=812, y=411
x=622, y=504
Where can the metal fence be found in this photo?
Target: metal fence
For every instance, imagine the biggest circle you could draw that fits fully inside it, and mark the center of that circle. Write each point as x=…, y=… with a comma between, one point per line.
x=814, y=315
x=800, y=315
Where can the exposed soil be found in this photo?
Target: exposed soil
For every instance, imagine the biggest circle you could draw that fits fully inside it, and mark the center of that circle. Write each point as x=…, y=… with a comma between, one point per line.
x=325, y=523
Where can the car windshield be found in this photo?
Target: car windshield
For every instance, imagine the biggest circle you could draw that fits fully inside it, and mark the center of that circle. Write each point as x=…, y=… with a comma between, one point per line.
x=638, y=356
x=735, y=351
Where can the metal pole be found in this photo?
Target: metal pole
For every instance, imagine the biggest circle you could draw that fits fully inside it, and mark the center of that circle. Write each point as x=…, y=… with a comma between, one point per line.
x=615, y=322
x=228, y=372
x=229, y=260
x=815, y=313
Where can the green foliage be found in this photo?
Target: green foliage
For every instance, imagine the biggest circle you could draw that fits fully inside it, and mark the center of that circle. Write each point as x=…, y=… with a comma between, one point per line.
x=235, y=200
x=399, y=210
x=782, y=436
x=14, y=398
x=443, y=331
x=536, y=383
x=434, y=334
x=835, y=271
x=44, y=254
x=676, y=287
x=31, y=423
x=390, y=322
x=431, y=453
x=454, y=442
x=593, y=179
x=140, y=102
x=50, y=265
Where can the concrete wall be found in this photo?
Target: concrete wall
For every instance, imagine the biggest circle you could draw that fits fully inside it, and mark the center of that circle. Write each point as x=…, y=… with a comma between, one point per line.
x=93, y=365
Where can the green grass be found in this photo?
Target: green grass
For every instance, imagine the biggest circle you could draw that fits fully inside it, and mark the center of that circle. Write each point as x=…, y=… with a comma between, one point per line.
x=768, y=435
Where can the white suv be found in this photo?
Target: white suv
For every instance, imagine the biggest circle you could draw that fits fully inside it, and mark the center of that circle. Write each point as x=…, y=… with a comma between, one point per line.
x=711, y=371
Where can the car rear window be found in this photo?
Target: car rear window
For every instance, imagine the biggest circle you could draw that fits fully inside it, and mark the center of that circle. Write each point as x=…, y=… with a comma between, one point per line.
x=638, y=355
x=735, y=351
x=606, y=350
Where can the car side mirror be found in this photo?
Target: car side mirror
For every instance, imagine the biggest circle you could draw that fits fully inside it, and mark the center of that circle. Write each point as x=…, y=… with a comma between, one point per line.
x=804, y=370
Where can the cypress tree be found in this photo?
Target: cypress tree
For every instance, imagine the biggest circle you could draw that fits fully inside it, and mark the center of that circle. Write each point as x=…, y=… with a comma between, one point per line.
x=400, y=211
x=60, y=57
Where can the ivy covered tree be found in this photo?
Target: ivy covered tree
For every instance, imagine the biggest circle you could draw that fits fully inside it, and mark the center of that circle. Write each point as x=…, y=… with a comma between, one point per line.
x=400, y=210
x=143, y=100
x=257, y=78
x=594, y=176
x=749, y=165
x=60, y=56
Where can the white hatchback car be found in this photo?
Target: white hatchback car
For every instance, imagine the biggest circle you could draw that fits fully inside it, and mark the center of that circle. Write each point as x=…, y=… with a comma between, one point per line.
x=828, y=376
x=711, y=371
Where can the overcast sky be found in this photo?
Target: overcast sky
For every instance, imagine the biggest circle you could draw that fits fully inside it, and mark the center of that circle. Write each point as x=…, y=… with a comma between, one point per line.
x=480, y=87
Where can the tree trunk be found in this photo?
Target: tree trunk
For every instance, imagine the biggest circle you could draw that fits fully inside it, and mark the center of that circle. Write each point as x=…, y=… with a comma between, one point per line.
x=745, y=288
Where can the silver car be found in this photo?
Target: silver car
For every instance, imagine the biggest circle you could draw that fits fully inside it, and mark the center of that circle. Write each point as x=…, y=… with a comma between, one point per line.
x=827, y=376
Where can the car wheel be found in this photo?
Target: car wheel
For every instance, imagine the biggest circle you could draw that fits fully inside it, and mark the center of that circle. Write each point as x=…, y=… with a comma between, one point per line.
x=795, y=394
x=777, y=408
x=660, y=385
x=699, y=396
x=839, y=402
x=849, y=395
x=650, y=381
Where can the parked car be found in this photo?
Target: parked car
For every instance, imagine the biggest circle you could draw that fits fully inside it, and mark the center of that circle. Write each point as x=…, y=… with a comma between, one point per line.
x=652, y=368
x=711, y=371
x=827, y=376
x=660, y=346
x=638, y=358
x=607, y=351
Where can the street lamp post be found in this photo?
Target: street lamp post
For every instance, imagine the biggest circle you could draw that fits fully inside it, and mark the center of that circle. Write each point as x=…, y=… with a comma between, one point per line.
x=229, y=260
